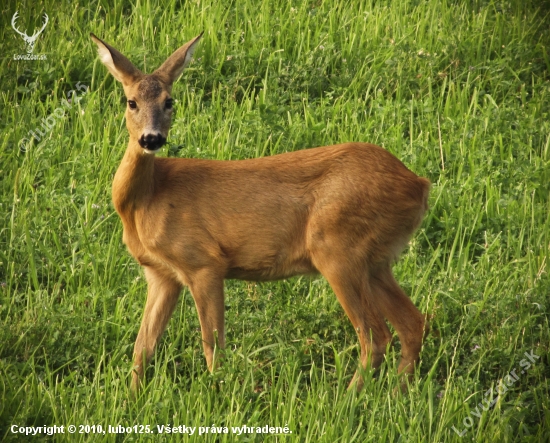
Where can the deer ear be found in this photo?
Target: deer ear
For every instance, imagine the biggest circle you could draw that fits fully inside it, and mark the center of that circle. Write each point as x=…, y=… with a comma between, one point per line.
x=174, y=65
x=118, y=65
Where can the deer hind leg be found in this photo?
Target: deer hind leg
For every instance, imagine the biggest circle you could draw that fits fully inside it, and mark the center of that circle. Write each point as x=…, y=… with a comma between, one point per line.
x=162, y=295
x=400, y=311
x=352, y=288
x=207, y=290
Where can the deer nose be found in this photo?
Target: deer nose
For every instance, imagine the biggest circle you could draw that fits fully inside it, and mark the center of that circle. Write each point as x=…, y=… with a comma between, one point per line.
x=152, y=141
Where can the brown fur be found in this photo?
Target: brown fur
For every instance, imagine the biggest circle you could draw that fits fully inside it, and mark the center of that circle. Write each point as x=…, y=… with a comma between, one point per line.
x=345, y=211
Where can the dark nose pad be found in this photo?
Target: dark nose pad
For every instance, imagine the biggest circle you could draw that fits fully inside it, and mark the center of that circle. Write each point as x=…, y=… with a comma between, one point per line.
x=152, y=141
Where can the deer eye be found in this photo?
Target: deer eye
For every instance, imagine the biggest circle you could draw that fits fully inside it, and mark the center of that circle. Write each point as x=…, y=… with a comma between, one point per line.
x=169, y=103
x=132, y=104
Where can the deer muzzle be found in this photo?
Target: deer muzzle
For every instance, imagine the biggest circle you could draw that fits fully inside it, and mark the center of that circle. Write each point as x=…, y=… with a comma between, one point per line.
x=151, y=142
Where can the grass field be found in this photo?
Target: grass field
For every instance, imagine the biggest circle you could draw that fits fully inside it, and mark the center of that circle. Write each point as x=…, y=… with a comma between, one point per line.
x=458, y=90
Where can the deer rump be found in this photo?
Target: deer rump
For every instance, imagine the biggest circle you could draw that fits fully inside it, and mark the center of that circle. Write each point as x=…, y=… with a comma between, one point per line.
x=267, y=218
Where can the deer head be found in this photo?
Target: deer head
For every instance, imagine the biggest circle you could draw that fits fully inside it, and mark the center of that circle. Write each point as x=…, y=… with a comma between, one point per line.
x=29, y=41
x=149, y=110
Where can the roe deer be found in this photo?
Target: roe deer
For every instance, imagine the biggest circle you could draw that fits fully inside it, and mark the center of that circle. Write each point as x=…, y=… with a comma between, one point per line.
x=345, y=211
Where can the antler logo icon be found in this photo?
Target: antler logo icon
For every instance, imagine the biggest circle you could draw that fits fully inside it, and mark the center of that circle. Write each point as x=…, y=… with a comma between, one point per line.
x=29, y=41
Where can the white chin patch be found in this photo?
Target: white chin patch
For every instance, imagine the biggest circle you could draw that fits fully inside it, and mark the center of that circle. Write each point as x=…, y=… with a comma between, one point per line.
x=151, y=151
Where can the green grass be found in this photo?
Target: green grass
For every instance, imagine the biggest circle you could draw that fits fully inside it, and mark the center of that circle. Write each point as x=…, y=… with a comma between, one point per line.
x=460, y=91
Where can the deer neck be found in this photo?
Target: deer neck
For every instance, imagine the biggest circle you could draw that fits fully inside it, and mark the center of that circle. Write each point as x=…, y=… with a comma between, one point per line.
x=133, y=185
